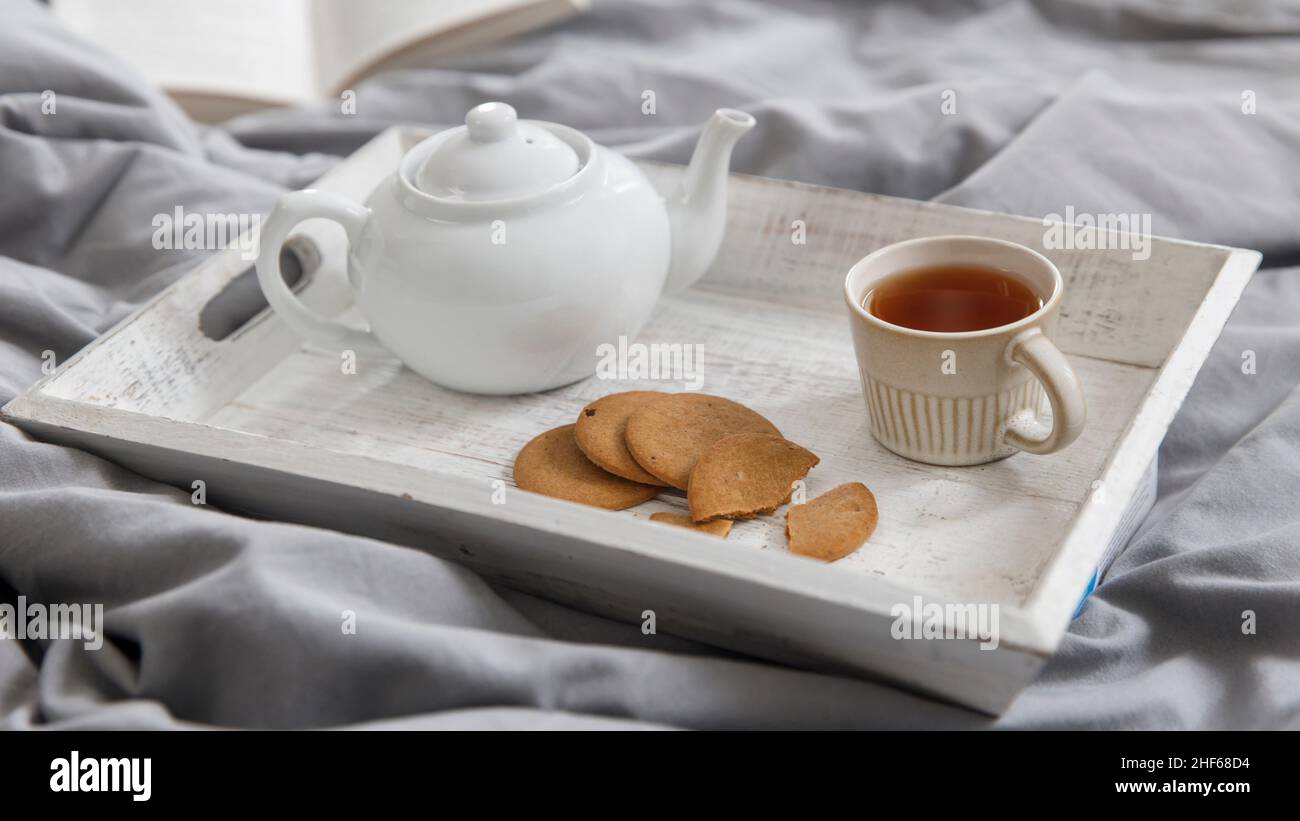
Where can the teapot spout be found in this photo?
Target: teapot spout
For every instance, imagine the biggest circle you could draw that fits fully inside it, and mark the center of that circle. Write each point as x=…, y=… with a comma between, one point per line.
x=697, y=212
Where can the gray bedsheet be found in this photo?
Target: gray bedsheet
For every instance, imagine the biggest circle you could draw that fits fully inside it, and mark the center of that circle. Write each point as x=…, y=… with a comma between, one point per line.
x=216, y=620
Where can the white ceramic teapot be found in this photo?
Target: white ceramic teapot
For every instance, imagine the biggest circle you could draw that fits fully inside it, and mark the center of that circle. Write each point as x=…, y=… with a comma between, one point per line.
x=500, y=254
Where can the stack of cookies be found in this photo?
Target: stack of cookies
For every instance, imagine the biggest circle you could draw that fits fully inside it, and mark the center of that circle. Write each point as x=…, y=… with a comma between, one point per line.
x=731, y=462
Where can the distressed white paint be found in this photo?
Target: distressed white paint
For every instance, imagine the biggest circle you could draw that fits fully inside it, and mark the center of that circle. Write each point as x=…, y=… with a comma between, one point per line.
x=280, y=430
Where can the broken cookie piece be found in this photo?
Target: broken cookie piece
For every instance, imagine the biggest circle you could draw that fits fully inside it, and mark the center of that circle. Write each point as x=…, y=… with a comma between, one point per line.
x=746, y=475
x=834, y=524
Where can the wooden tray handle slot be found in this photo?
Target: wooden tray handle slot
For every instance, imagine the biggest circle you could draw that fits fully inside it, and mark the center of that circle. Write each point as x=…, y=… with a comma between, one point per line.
x=240, y=304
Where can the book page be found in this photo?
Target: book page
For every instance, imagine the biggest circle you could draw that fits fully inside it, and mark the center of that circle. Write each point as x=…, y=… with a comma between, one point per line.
x=352, y=37
x=258, y=49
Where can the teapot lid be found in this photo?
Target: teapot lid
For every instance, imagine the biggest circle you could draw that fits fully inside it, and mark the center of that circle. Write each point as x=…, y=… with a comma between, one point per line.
x=495, y=156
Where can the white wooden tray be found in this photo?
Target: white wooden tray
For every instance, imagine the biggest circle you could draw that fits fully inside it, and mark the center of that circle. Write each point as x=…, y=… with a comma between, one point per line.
x=278, y=429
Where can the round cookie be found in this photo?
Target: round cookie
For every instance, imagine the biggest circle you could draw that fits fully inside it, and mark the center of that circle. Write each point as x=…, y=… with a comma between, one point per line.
x=745, y=475
x=667, y=435
x=552, y=465
x=834, y=524
x=601, y=431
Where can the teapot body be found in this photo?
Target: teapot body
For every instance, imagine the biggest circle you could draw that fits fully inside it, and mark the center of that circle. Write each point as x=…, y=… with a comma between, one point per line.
x=501, y=255
x=513, y=298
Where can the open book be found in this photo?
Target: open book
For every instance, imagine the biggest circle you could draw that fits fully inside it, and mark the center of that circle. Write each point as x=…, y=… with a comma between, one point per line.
x=219, y=59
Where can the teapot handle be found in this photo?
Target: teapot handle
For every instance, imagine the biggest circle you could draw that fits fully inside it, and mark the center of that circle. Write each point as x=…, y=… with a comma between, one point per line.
x=292, y=209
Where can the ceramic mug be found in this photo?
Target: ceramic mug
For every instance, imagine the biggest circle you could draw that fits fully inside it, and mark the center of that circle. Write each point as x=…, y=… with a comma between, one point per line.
x=969, y=397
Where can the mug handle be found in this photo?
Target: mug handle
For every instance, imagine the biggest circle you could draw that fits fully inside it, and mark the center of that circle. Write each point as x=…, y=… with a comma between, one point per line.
x=1045, y=361
x=292, y=209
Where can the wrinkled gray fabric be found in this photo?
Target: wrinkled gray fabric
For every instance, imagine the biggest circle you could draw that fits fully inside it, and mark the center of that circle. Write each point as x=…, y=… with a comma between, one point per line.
x=216, y=620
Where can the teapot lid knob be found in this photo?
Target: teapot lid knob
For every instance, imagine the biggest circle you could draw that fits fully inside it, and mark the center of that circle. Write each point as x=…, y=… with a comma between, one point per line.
x=495, y=156
x=491, y=122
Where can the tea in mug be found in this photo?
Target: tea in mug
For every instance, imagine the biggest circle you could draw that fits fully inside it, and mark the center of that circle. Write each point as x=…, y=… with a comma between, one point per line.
x=951, y=298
